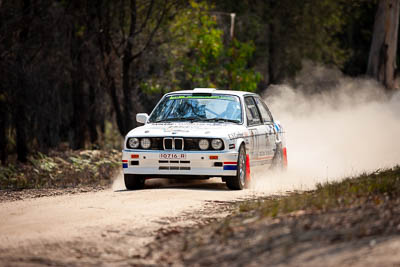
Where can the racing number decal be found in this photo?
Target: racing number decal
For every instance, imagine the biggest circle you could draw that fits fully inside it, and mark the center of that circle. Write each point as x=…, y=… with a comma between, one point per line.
x=172, y=156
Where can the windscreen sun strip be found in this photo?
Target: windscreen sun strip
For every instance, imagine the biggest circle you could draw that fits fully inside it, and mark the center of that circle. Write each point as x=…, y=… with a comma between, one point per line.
x=202, y=97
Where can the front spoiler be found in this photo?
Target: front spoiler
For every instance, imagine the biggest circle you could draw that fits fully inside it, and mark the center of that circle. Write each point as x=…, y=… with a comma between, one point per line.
x=195, y=163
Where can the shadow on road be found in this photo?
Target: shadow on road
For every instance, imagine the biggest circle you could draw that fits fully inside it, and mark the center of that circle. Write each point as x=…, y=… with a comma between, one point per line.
x=207, y=185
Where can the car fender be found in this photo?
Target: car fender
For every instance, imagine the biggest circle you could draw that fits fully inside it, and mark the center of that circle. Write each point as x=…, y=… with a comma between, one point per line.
x=280, y=133
x=239, y=142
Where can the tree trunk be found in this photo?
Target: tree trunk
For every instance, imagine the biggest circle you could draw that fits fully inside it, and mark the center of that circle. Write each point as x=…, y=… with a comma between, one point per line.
x=93, y=116
x=117, y=108
x=21, y=124
x=131, y=101
x=271, y=54
x=20, y=114
x=382, y=56
x=3, y=127
x=80, y=112
x=127, y=92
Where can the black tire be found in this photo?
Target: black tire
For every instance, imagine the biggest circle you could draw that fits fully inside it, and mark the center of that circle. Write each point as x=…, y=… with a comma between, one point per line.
x=278, y=161
x=133, y=182
x=239, y=181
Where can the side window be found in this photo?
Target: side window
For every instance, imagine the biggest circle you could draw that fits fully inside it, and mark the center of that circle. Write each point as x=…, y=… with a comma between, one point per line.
x=265, y=114
x=253, y=117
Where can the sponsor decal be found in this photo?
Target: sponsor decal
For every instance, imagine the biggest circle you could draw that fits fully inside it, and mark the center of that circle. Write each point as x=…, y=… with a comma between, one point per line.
x=236, y=135
x=174, y=129
x=277, y=127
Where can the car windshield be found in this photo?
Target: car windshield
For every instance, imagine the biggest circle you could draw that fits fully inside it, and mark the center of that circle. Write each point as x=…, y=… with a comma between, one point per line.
x=194, y=108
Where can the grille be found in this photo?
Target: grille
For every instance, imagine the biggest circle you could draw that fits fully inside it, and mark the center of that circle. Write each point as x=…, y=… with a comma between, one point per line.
x=174, y=168
x=178, y=143
x=173, y=143
x=175, y=161
x=168, y=143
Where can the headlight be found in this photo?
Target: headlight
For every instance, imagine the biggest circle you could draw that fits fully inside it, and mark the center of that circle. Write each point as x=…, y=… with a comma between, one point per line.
x=145, y=143
x=133, y=143
x=203, y=144
x=216, y=144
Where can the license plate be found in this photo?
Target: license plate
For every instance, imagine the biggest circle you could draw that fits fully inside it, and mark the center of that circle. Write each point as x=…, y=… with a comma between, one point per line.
x=172, y=156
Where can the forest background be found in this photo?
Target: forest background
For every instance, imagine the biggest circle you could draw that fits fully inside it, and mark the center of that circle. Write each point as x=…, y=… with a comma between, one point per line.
x=73, y=73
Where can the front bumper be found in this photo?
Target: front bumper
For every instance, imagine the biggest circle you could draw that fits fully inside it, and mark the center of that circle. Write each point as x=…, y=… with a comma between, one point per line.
x=194, y=163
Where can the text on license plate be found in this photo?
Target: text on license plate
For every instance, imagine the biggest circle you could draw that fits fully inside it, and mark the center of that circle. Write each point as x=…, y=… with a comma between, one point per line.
x=172, y=156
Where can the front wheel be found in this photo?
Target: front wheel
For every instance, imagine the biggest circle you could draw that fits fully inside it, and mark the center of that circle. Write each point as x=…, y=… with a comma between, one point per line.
x=133, y=181
x=239, y=181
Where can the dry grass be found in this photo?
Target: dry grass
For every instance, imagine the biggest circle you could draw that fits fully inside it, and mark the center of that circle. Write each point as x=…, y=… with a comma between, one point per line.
x=376, y=188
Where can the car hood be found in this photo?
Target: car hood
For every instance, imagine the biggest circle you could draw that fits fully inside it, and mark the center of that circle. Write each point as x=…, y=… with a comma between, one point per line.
x=187, y=129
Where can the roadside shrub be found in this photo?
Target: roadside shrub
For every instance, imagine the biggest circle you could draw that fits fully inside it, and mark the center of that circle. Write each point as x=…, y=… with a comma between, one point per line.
x=62, y=169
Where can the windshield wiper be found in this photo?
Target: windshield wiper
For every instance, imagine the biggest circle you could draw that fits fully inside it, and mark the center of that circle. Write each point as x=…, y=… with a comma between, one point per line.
x=168, y=119
x=177, y=119
x=218, y=120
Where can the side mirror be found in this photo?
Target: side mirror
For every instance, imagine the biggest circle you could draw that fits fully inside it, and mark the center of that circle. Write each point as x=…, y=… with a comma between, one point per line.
x=142, y=117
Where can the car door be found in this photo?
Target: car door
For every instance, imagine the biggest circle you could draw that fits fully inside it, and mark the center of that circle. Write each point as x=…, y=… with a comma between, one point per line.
x=270, y=132
x=256, y=129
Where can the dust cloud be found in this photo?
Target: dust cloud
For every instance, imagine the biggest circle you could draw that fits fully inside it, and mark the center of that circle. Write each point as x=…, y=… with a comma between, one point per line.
x=335, y=127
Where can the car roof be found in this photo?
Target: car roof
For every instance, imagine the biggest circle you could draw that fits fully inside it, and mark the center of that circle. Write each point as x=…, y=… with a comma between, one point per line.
x=212, y=91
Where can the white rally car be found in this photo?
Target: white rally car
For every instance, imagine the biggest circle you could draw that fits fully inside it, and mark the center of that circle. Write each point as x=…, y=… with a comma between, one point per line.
x=203, y=133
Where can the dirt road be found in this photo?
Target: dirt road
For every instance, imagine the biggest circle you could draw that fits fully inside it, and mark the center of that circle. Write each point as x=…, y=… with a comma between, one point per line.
x=116, y=227
x=98, y=221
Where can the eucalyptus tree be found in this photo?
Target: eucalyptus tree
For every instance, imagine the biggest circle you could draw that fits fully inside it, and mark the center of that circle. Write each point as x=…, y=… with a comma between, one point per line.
x=383, y=53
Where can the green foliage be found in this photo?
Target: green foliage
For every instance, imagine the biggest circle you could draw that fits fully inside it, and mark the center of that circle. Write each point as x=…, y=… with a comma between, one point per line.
x=242, y=78
x=200, y=57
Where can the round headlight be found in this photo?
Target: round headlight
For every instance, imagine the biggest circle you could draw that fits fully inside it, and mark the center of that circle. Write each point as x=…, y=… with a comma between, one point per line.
x=133, y=143
x=203, y=144
x=216, y=144
x=145, y=143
